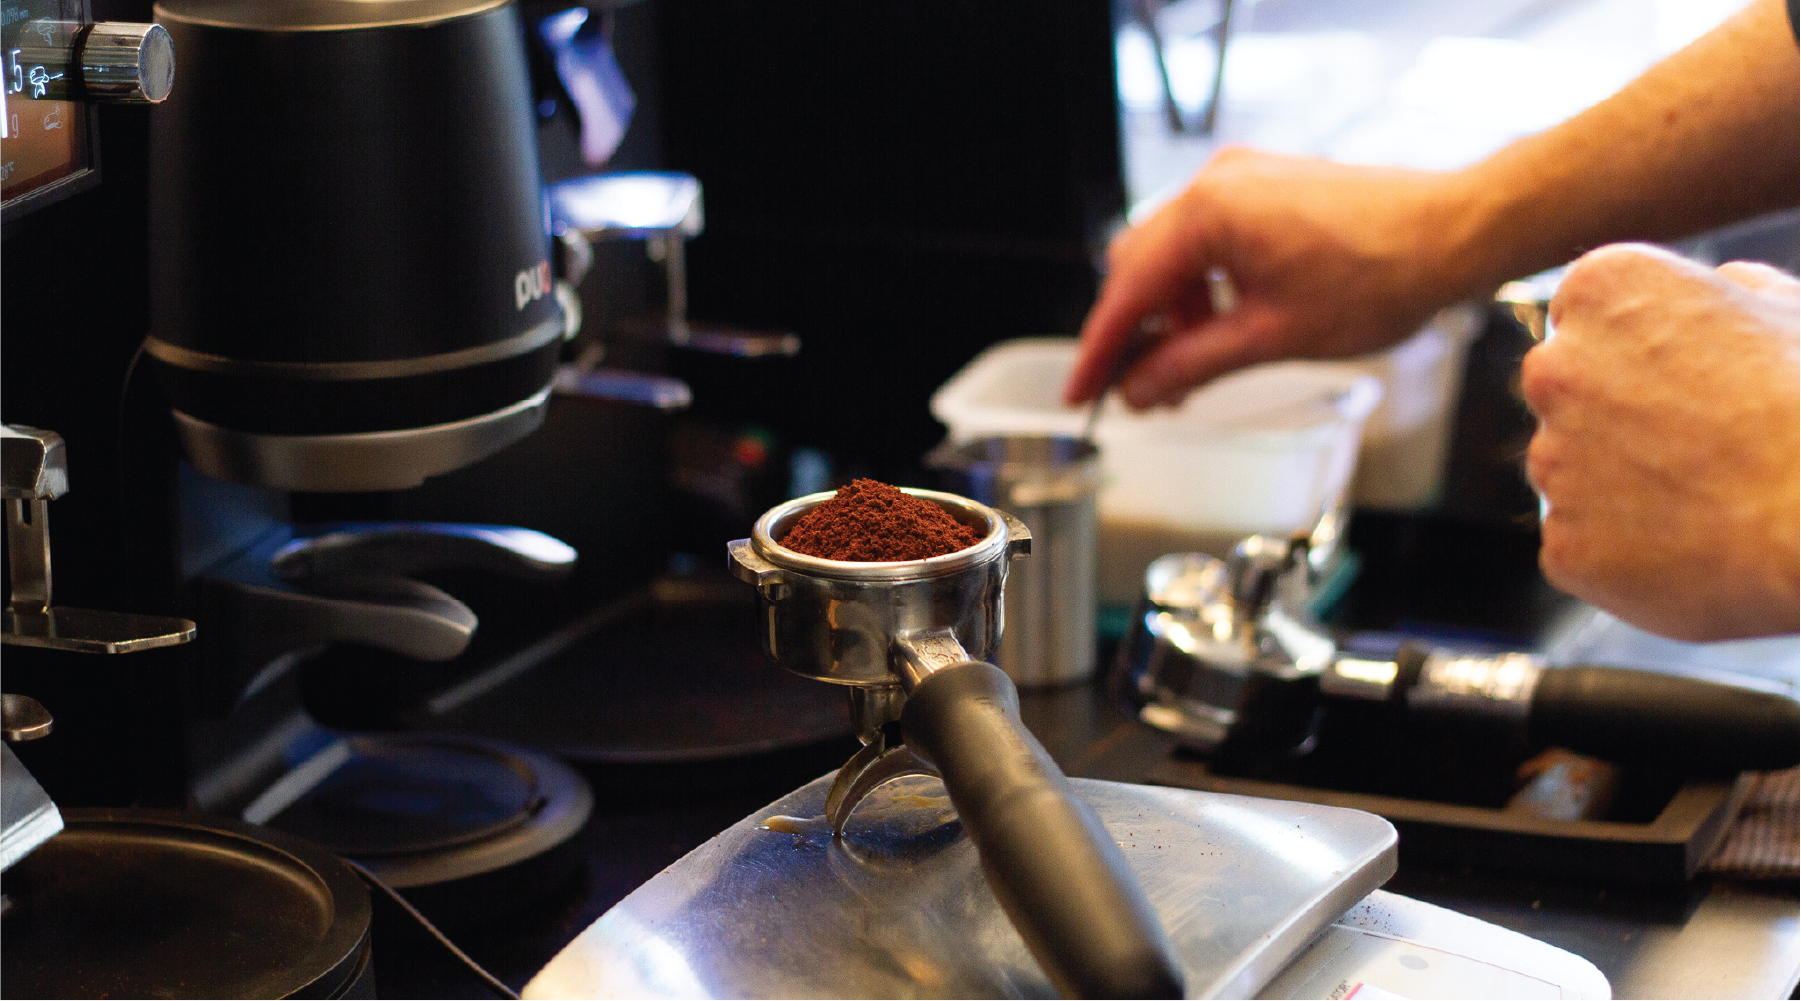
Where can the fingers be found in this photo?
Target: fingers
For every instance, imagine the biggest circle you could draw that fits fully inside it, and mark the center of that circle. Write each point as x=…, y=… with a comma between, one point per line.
x=1171, y=370
x=1542, y=381
x=1603, y=276
x=1156, y=268
x=1760, y=278
x=1144, y=281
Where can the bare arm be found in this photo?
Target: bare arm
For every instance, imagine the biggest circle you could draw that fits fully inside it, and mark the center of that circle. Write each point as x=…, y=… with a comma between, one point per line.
x=1333, y=260
x=1705, y=137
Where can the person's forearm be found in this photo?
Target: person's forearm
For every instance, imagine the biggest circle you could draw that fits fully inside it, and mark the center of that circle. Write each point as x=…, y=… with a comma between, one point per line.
x=1703, y=138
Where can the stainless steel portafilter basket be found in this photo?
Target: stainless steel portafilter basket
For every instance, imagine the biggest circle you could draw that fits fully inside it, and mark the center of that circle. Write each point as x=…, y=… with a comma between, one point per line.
x=910, y=639
x=838, y=621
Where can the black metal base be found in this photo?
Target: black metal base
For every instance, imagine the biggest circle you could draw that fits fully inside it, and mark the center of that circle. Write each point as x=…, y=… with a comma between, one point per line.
x=469, y=830
x=143, y=903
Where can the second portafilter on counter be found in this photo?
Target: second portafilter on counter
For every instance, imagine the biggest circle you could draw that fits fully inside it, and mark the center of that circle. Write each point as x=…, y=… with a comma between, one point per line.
x=910, y=639
x=1225, y=655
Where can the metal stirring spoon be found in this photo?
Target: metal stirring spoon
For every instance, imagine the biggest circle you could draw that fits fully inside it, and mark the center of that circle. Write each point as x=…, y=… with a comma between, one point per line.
x=1222, y=295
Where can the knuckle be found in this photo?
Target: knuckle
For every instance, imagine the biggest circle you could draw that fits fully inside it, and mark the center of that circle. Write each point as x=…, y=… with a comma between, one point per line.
x=1544, y=456
x=1541, y=378
x=1598, y=275
x=1563, y=557
x=1757, y=276
x=1554, y=556
x=1233, y=153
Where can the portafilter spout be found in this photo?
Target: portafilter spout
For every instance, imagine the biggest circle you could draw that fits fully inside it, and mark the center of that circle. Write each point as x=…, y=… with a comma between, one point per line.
x=910, y=638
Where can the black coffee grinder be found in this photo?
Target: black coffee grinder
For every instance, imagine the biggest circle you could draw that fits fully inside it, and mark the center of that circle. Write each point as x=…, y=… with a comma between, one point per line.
x=352, y=290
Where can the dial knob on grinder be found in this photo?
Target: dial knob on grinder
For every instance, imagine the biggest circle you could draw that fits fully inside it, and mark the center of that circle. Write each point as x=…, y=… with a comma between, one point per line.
x=113, y=62
x=127, y=63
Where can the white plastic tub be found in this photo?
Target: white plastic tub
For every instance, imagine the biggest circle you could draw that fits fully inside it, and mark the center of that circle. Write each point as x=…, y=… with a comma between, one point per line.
x=1262, y=450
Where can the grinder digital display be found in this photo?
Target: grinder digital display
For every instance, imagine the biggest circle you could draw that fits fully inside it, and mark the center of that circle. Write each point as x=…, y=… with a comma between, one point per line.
x=46, y=147
x=54, y=63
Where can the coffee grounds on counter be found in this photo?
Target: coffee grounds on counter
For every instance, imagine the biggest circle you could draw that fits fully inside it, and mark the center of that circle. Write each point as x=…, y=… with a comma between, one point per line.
x=870, y=522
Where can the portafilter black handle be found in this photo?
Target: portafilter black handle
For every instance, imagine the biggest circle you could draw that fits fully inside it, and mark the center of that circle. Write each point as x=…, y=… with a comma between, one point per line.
x=1647, y=718
x=1058, y=874
x=1614, y=713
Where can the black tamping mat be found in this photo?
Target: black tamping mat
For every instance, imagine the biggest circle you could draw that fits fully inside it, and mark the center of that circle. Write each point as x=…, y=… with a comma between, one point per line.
x=146, y=904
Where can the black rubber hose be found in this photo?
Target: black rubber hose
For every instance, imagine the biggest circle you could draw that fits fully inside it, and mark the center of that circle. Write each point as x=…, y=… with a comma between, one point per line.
x=1058, y=874
x=1647, y=718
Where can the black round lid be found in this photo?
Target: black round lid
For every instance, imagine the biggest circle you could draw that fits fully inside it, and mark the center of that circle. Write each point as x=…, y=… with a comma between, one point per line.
x=147, y=904
x=320, y=15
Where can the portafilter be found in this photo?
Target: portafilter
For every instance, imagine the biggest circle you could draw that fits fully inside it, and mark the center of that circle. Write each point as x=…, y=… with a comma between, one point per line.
x=910, y=639
x=1224, y=655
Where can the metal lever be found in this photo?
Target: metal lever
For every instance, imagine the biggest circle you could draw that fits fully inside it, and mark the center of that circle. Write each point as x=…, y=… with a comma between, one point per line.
x=392, y=613
x=622, y=386
x=404, y=548
x=34, y=471
x=678, y=331
x=261, y=618
x=663, y=209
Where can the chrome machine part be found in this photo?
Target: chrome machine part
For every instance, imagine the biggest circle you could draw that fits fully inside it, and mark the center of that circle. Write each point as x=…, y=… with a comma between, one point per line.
x=23, y=718
x=28, y=817
x=659, y=392
x=1435, y=682
x=126, y=63
x=35, y=470
x=1497, y=686
x=1219, y=644
x=114, y=62
x=266, y=613
x=872, y=767
x=664, y=210
x=404, y=548
x=373, y=460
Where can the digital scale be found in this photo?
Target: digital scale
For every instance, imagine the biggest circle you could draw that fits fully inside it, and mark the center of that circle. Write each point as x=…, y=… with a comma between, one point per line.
x=1255, y=894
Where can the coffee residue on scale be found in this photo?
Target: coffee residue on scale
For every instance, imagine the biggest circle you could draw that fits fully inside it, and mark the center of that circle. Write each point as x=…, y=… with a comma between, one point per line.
x=871, y=522
x=782, y=823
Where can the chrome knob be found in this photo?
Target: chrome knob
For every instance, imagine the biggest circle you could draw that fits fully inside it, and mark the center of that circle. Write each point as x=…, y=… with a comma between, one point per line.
x=127, y=63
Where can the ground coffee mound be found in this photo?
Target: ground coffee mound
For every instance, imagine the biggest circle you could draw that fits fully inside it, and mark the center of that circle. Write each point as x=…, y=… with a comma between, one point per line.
x=870, y=522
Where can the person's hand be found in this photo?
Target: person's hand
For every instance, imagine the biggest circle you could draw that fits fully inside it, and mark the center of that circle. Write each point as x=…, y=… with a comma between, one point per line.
x=1668, y=450
x=1328, y=260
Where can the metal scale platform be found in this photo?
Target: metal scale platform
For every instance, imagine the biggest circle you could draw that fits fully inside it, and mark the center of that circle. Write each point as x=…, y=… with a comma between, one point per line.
x=773, y=907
